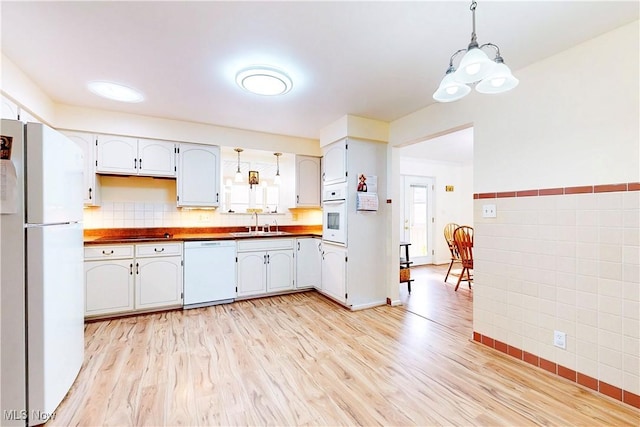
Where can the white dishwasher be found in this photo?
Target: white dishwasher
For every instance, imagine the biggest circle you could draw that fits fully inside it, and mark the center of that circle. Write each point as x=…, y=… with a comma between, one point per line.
x=209, y=273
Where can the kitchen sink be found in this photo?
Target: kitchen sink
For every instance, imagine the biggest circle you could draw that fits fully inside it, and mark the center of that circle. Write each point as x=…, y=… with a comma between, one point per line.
x=259, y=233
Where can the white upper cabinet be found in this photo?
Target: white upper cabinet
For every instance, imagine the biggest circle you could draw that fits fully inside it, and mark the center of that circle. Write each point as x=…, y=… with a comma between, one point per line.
x=198, y=178
x=307, y=182
x=334, y=163
x=156, y=158
x=131, y=156
x=87, y=142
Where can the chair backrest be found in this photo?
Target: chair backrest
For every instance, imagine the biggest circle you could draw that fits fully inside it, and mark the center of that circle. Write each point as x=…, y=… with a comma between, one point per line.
x=448, y=235
x=463, y=239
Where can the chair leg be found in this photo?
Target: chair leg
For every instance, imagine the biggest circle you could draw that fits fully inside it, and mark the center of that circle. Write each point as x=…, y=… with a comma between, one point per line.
x=449, y=270
x=460, y=278
x=469, y=277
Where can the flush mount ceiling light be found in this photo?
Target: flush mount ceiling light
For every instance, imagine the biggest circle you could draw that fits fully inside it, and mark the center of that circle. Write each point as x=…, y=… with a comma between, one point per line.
x=491, y=76
x=115, y=91
x=261, y=80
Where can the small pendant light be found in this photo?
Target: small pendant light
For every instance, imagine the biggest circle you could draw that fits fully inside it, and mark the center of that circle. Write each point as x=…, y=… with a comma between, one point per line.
x=276, y=179
x=238, y=173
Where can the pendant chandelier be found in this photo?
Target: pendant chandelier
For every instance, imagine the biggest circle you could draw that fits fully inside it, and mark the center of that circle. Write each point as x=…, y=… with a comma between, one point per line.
x=490, y=76
x=276, y=179
x=238, y=173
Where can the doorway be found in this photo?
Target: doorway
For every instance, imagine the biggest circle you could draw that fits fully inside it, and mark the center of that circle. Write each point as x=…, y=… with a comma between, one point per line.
x=417, y=218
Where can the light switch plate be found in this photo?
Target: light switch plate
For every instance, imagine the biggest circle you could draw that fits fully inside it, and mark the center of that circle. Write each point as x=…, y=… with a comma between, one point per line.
x=488, y=211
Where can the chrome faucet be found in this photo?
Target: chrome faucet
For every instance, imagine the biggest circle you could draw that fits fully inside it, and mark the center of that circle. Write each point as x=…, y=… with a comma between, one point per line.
x=256, y=214
x=276, y=223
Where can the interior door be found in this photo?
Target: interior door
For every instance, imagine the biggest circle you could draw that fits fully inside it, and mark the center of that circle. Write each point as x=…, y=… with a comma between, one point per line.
x=417, y=221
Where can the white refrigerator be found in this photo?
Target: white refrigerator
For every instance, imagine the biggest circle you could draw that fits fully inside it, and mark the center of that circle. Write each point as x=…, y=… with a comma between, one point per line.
x=41, y=254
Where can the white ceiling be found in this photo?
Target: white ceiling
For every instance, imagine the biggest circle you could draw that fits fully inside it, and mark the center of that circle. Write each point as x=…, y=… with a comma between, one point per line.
x=381, y=60
x=455, y=147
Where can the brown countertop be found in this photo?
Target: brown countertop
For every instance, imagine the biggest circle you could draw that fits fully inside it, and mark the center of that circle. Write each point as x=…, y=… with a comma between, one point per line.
x=183, y=234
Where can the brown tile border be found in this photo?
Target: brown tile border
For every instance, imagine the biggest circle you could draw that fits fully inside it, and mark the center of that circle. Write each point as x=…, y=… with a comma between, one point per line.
x=609, y=390
x=551, y=191
x=527, y=193
x=487, y=196
x=587, y=381
x=567, y=373
x=501, y=347
x=631, y=399
x=602, y=387
x=579, y=190
x=584, y=189
x=609, y=188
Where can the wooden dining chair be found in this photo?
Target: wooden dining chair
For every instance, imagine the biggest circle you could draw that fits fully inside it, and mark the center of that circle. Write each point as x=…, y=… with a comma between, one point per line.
x=448, y=235
x=463, y=239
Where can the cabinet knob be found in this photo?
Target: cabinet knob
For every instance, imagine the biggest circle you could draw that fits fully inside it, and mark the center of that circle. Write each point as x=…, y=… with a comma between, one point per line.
x=156, y=249
x=107, y=253
x=89, y=193
x=140, y=162
x=135, y=163
x=131, y=269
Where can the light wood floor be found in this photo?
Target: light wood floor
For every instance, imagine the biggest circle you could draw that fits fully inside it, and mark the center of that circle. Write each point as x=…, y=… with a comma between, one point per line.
x=302, y=360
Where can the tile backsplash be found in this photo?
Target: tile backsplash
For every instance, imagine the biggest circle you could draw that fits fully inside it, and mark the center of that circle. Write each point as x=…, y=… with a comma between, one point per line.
x=137, y=214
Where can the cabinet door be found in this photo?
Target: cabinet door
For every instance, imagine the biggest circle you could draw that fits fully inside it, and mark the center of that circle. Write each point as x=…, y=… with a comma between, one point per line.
x=251, y=273
x=198, y=180
x=117, y=155
x=279, y=270
x=307, y=181
x=158, y=282
x=308, y=263
x=108, y=287
x=156, y=158
x=334, y=163
x=334, y=272
x=87, y=142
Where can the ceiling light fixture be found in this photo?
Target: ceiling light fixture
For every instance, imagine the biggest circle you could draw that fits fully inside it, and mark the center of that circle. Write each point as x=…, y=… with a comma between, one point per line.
x=263, y=80
x=276, y=179
x=114, y=91
x=491, y=76
x=238, y=173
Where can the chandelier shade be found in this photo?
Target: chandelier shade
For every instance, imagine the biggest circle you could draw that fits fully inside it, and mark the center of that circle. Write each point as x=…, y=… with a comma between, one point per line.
x=475, y=65
x=500, y=80
x=450, y=90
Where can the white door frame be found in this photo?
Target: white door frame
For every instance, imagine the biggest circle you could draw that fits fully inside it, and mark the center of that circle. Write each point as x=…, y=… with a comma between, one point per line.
x=418, y=181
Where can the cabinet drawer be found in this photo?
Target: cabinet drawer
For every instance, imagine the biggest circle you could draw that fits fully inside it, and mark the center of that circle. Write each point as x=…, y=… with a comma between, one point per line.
x=158, y=249
x=264, y=244
x=108, y=252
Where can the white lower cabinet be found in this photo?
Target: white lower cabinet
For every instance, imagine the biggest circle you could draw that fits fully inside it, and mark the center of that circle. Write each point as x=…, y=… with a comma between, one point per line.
x=265, y=266
x=108, y=286
x=334, y=272
x=127, y=278
x=308, y=262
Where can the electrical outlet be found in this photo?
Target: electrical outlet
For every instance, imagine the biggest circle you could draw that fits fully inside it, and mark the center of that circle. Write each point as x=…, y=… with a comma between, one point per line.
x=560, y=339
x=488, y=211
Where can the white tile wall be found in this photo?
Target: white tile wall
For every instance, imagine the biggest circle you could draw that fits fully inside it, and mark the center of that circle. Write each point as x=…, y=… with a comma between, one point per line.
x=131, y=214
x=570, y=263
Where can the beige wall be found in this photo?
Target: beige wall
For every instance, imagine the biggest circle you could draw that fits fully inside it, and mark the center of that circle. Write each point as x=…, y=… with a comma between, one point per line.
x=566, y=262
